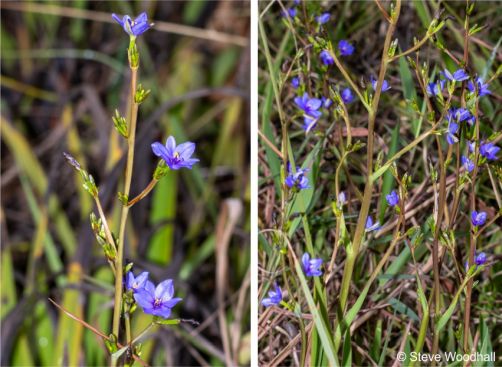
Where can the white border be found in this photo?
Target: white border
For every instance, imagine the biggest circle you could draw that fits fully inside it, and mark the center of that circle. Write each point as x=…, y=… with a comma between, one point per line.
x=253, y=27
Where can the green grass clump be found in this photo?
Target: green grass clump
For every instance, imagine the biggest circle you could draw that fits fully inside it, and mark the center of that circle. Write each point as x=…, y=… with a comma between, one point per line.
x=404, y=287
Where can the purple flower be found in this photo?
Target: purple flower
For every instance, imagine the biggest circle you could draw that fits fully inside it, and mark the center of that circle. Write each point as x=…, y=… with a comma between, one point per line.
x=297, y=180
x=472, y=146
x=309, y=123
x=460, y=115
x=347, y=95
x=290, y=12
x=176, y=157
x=158, y=300
x=467, y=163
x=480, y=259
x=370, y=226
x=297, y=2
x=295, y=82
x=482, y=88
x=274, y=297
x=458, y=76
x=134, y=27
x=326, y=102
x=385, y=84
x=310, y=107
x=326, y=57
x=342, y=199
x=489, y=151
x=435, y=89
x=450, y=136
x=392, y=198
x=323, y=18
x=311, y=267
x=345, y=48
x=136, y=283
x=478, y=219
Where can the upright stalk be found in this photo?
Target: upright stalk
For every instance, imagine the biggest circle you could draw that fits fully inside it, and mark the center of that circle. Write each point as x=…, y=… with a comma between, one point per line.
x=125, y=209
x=368, y=189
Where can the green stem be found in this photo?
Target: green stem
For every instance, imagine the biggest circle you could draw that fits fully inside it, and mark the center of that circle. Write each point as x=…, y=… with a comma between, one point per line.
x=125, y=209
x=363, y=214
x=128, y=327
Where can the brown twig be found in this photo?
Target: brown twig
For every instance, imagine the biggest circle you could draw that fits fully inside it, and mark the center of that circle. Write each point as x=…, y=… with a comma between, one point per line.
x=94, y=330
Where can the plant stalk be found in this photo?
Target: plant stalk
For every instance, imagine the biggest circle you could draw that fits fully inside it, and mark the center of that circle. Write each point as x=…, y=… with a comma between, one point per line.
x=368, y=189
x=125, y=209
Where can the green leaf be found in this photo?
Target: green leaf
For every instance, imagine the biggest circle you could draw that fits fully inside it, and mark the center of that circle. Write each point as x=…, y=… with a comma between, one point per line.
x=449, y=312
x=321, y=324
x=402, y=308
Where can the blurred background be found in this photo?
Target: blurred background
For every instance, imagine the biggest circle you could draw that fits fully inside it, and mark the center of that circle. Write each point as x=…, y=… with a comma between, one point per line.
x=64, y=71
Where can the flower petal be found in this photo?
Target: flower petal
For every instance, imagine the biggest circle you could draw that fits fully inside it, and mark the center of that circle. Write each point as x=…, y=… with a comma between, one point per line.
x=171, y=302
x=165, y=290
x=171, y=145
x=144, y=298
x=186, y=150
x=117, y=19
x=306, y=260
x=141, y=18
x=314, y=104
x=159, y=150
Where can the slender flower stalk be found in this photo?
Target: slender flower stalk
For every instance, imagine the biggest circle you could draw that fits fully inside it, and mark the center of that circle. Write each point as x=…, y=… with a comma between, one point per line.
x=363, y=213
x=143, y=193
x=131, y=128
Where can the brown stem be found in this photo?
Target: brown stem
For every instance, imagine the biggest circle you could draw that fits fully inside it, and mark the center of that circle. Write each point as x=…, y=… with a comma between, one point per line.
x=143, y=193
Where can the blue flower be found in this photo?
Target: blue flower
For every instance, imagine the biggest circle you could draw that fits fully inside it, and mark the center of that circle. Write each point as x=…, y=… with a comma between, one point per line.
x=435, y=89
x=370, y=226
x=478, y=219
x=290, y=12
x=295, y=82
x=458, y=76
x=467, y=163
x=134, y=27
x=342, y=199
x=311, y=267
x=136, y=283
x=460, y=115
x=176, y=157
x=310, y=107
x=482, y=88
x=392, y=198
x=326, y=102
x=323, y=18
x=345, y=48
x=385, y=84
x=450, y=136
x=479, y=259
x=489, y=151
x=347, y=95
x=309, y=123
x=297, y=180
x=274, y=297
x=326, y=57
x=158, y=300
